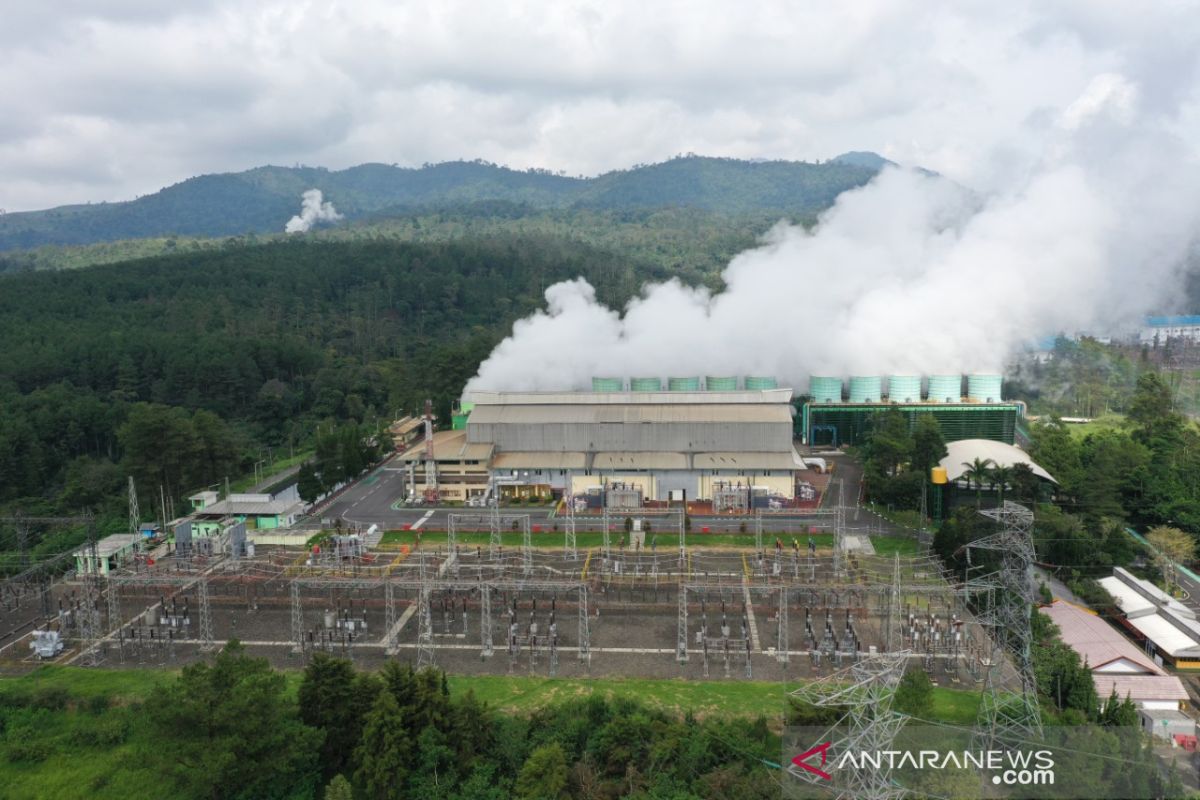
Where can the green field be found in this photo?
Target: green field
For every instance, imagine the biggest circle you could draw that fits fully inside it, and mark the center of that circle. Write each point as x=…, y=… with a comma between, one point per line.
x=1108, y=422
x=584, y=540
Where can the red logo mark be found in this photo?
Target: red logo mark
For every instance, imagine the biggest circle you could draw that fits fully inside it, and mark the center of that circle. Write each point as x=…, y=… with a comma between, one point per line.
x=823, y=749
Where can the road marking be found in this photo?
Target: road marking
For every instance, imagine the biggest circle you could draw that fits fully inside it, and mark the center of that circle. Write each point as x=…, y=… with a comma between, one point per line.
x=421, y=521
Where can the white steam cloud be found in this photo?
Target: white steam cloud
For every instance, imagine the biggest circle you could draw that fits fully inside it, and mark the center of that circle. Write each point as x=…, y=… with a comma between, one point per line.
x=312, y=211
x=909, y=274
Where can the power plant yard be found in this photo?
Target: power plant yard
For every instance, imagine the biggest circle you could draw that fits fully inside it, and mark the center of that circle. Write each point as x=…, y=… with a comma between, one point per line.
x=790, y=614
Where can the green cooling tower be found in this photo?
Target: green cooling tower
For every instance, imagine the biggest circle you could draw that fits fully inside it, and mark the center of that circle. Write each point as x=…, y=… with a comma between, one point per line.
x=945, y=388
x=645, y=384
x=904, y=388
x=607, y=384
x=984, y=388
x=720, y=383
x=866, y=388
x=758, y=383
x=825, y=389
x=683, y=384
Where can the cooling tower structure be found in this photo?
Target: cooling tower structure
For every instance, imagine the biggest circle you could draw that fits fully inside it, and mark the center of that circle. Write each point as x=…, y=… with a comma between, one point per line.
x=825, y=389
x=866, y=388
x=945, y=388
x=683, y=384
x=904, y=388
x=984, y=387
x=608, y=384
x=721, y=383
x=756, y=383
x=645, y=384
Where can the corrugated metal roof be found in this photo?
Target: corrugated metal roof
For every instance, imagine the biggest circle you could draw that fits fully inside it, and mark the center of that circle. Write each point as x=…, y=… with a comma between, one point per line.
x=765, y=396
x=629, y=413
x=964, y=451
x=449, y=446
x=405, y=425
x=111, y=544
x=1141, y=688
x=647, y=460
x=540, y=460
x=1095, y=640
x=1129, y=601
x=747, y=461
x=258, y=508
x=1166, y=636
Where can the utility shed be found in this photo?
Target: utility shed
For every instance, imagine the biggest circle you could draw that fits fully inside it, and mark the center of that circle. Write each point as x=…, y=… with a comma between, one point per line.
x=112, y=552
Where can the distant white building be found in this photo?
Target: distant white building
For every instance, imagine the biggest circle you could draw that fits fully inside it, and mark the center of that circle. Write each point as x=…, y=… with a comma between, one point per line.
x=1160, y=329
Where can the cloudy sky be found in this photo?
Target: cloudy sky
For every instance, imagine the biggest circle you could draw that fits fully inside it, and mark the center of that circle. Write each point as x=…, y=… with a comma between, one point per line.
x=106, y=101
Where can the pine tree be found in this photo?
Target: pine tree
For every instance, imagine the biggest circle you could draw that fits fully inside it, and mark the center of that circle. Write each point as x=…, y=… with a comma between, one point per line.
x=383, y=753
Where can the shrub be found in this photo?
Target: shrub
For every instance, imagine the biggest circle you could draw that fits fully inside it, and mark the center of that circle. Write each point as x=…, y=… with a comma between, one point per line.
x=51, y=698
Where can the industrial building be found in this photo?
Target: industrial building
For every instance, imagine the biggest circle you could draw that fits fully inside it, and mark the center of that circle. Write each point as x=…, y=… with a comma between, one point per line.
x=1158, y=330
x=1116, y=663
x=649, y=445
x=258, y=511
x=838, y=412
x=112, y=553
x=1168, y=628
x=623, y=445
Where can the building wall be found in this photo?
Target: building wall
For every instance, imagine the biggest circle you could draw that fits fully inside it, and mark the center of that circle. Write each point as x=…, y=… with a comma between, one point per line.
x=777, y=482
x=997, y=422
x=681, y=437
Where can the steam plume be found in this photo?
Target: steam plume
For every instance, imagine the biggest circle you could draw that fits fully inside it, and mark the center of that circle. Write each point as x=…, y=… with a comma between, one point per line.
x=910, y=273
x=312, y=211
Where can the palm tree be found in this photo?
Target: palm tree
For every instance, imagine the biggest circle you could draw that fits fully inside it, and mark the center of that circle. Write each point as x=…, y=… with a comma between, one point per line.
x=976, y=472
x=1024, y=483
x=1001, y=477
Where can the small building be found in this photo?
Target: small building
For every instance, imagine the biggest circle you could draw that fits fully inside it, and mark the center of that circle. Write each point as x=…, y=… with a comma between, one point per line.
x=462, y=467
x=1116, y=663
x=1173, y=726
x=405, y=432
x=201, y=500
x=112, y=552
x=1168, y=628
x=258, y=511
x=1159, y=330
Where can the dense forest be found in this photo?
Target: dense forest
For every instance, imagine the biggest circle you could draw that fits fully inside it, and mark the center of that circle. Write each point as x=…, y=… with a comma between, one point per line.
x=180, y=369
x=262, y=200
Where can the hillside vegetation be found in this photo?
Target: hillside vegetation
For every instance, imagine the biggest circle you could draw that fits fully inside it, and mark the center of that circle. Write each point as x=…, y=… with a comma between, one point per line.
x=181, y=369
x=261, y=200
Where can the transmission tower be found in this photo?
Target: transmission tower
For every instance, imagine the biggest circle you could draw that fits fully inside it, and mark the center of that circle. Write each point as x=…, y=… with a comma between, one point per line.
x=135, y=519
x=206, y=624
x=526, y=546
x=892, y=622
x=866, y=690
x=22, y=527
x=681, y=653
x=297, y=619
x=485, y=621
x=89, y=618
x=494, y=542
x=1008, y=714
x=389, y=616
x=585, y=636
x=569, y=547
x=424, y=629
x=781, y=645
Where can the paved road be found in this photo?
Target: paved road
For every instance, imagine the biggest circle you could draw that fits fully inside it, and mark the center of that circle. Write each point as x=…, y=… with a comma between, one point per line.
x=374, y=500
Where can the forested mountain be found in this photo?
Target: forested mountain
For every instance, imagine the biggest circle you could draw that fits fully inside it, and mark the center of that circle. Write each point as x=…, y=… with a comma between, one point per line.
x=179, y=368
x=262, y=200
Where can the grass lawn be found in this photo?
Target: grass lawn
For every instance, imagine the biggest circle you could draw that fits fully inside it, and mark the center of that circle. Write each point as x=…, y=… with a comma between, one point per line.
x=956, y=706
x=888, y=545
x=1108, y=422
x=551, y=540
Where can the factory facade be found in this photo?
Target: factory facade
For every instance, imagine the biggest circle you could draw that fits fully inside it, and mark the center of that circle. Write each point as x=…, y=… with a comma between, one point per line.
x=838, y=413
x=623, y=448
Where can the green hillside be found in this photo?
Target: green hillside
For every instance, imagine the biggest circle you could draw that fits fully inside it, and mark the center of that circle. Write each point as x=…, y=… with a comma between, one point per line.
x=261, y=200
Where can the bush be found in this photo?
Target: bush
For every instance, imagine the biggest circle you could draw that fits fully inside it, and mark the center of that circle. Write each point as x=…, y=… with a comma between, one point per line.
x=99, y=704
x=51, y=698
x=31, y=751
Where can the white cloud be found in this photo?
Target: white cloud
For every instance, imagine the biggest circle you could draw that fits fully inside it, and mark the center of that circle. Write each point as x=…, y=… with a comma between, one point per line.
x=107, y=103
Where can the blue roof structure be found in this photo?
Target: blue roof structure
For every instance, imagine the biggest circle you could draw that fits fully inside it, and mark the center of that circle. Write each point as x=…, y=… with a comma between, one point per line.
x=1166, y=322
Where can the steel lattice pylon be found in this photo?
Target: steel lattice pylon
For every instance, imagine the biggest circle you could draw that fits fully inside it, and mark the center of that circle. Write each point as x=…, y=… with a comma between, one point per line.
x=569, y=546
x=206, y=624
x=585, y=636
x=866, y=689
x=297, y=618
x=424, y=630
x=681, y=652
x=134, y=516
x=1006, y=715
